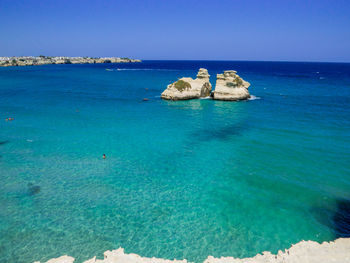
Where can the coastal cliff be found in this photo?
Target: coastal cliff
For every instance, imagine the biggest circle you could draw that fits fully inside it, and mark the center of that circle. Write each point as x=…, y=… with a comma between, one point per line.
x=45, y=60
x=303, y=252
x=188, y=88
x=230, y=86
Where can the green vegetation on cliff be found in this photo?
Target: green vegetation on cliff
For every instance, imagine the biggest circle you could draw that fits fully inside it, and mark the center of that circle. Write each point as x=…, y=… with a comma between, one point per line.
x=181, y=85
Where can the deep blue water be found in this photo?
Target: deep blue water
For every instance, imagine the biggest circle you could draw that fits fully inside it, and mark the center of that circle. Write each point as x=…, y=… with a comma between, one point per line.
x=183, y=179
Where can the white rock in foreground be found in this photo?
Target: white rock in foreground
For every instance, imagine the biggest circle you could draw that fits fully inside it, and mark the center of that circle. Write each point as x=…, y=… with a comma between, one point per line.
x=62, y=259
x=303, y=252
x=188, y=88
x=230, y=86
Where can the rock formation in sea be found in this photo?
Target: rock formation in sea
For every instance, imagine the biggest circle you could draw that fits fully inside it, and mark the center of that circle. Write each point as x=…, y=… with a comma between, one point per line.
x=230, y=86
x=303, y=252
x=188, y=88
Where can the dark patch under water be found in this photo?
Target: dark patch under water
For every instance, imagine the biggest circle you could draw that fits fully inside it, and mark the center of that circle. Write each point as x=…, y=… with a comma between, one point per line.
x=335, y=216
x=341, y=218
x=222, y=133
x=33, y=189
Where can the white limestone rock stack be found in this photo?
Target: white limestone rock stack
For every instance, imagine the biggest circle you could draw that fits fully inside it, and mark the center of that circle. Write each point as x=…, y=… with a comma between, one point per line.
x=188, y=88
x=230, y=86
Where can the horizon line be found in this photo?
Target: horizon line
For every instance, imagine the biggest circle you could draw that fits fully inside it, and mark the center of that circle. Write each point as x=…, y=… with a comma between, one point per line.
x=228, y=60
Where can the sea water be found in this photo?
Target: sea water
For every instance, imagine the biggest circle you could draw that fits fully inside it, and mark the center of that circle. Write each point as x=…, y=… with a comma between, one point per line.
x=183, y=179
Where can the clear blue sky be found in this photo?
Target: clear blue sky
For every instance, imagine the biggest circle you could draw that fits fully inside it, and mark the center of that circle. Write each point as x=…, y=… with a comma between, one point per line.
x=298, y=30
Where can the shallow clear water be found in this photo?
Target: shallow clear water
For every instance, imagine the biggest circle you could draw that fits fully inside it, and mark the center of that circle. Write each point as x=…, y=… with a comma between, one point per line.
x=182, y=179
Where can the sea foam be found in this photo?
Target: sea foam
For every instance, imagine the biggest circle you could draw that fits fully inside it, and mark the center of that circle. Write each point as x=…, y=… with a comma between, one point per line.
x=252, y=97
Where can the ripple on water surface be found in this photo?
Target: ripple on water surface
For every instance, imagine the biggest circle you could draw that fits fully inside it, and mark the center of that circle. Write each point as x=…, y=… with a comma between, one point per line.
x=183, y=179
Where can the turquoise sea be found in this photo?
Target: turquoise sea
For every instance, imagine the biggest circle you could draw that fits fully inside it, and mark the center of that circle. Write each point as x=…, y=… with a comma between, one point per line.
x=183, y=179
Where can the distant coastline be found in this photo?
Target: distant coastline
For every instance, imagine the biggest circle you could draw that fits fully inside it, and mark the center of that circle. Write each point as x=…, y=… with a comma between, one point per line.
x=46, y=60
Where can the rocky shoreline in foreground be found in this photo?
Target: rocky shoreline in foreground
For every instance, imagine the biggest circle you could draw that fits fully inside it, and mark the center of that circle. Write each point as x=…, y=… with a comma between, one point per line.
x=303, y=252
x=45, y=60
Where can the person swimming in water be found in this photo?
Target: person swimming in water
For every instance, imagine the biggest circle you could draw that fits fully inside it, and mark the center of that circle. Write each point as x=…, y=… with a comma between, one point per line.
x=104, y=156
